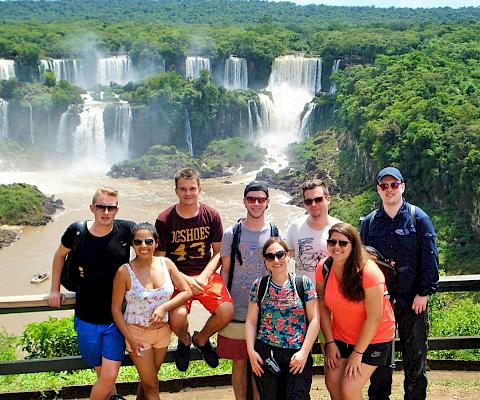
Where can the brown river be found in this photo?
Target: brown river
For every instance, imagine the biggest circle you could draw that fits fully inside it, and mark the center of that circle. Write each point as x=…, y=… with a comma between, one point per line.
x=138, y=201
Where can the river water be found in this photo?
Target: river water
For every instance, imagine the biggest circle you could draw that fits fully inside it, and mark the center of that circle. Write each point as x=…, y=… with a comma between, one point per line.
x=138, y=200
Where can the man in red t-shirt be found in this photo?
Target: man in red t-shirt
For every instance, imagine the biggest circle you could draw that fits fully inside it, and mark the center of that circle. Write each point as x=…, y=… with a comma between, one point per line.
x=190, y=234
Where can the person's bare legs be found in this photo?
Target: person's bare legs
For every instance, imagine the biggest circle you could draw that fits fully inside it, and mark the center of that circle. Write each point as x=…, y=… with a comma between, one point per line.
x=107, y=373
x=179, y=324
x=218, y=320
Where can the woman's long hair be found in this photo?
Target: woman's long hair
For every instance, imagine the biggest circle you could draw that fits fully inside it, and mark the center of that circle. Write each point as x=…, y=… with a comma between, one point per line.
x=351, y=282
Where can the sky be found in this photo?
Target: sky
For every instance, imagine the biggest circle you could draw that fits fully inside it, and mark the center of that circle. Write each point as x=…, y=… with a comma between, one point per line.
x=395, y=3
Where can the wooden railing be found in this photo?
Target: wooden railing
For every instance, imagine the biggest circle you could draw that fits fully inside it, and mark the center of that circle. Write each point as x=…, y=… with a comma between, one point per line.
x=34, y=303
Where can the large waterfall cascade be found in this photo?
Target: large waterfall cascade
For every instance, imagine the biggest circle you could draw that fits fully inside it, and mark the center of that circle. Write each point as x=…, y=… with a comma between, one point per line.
x=7, y=69
x=119, y=145
x=194, y=65
x=188, y=132
x=3, y=119
x=118, y=69
x=236, y=73
x=63, y=69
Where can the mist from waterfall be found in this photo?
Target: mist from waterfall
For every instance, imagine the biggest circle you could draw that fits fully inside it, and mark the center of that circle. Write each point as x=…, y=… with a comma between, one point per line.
x=235, y=73
x=7, y=69
x=188, y=132
x=194, y=65
x=63, y=69
x=3, y=119
x=118, y=69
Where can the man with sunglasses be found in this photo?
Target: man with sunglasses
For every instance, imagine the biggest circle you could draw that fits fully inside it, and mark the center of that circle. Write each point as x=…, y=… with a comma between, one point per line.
x=307, y=235
x=99, y=249
x=253, y=232
x=190, y=233
x=404, y=233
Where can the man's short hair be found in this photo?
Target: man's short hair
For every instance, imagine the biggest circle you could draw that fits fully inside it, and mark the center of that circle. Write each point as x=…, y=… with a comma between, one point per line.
x=314, y=183
x=104, y=190
x=187, y=173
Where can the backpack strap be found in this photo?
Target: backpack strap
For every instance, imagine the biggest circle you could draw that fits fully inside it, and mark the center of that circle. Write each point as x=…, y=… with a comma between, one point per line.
x=299, y=287
x=326, y=268
x=235, y=252
x=274, y=232
x=81, y=227
x=262, y=290
x=413, y=213
x=371, y=217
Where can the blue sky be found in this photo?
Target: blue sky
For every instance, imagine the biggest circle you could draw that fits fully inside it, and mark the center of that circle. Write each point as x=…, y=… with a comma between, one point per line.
x=395, y=3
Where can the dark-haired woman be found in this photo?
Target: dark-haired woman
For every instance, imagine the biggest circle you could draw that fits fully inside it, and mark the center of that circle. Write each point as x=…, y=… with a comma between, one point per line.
x=282, y=334
x=147, y=284
x=355, y=313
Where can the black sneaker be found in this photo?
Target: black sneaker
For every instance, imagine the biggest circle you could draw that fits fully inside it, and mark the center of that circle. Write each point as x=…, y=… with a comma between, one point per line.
x=208, y=354
x=182, y=356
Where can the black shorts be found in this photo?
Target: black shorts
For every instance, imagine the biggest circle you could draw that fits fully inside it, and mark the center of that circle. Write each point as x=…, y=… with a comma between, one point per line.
x=376, y=354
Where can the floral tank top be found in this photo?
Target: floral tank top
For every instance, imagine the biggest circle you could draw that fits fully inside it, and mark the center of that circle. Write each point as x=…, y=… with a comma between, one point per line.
x=142, y=302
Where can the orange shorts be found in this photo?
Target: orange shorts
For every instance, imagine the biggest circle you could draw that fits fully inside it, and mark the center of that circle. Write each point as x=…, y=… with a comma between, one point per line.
x=157, y=338
x=215, y=293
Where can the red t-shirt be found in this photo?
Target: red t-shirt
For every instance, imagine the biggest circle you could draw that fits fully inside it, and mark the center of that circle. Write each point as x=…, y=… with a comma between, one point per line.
x=348, y=316
x=187, y=241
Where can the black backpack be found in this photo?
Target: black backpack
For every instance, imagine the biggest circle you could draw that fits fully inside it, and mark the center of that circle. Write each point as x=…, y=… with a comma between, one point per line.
x=237, y=231
x=70, y=275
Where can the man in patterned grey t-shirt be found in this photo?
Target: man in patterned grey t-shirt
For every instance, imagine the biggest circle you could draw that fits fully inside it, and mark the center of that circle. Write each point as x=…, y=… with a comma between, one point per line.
x=254, y=232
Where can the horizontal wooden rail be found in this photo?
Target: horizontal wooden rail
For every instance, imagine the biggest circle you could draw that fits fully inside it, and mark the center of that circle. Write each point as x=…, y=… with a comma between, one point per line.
x=39, y=302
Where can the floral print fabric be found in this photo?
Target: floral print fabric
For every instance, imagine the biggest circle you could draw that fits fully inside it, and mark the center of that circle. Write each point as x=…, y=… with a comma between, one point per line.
x=283, y=321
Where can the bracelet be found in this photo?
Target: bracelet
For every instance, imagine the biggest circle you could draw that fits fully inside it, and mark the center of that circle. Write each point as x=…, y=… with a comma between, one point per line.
x=357, y=352
x=333, y=341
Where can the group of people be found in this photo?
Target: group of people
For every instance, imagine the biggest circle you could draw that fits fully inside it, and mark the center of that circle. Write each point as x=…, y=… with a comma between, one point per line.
x=267, y=317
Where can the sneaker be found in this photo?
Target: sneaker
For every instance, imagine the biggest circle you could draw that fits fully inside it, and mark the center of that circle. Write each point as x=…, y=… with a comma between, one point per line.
x=117, y=397
x=208, y=354
x=182, y=356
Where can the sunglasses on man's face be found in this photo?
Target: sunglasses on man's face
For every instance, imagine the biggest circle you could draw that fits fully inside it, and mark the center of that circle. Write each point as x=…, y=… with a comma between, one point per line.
x=393, y=185
x=309, y=202
x=341, y=243
x=280, y=254
x=253, y=200
x=147, y=241
x=103, y=207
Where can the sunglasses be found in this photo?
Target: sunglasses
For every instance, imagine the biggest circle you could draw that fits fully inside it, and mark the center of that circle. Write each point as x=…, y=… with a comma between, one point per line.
x=309, y=202
x=393, y=185
x=147, y=241
x=253, y=200
x=341, y=243
x=280, y=254
x=103, y=207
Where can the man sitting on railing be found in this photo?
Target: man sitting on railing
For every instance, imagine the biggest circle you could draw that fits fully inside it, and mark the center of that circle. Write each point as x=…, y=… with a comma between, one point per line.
x=100, y=247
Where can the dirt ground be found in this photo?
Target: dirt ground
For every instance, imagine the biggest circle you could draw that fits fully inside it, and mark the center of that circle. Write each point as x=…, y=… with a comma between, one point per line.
x=443, y=385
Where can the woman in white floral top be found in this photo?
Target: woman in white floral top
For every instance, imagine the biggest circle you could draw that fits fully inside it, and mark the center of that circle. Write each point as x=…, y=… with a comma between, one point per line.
x=284, y=333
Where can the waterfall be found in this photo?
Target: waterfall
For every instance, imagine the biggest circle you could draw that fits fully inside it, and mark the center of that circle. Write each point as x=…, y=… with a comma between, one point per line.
x=89, y=135
x=63, y=132
x=118, y=149
x=3, y=119
x=307, y=120
x=63, y=69
x=32, y=135
x=116, y=69
x=7, y=69
x=194, y=65
x=335, y=68
x=251, y=135
x=236, y=73
x=188, y=133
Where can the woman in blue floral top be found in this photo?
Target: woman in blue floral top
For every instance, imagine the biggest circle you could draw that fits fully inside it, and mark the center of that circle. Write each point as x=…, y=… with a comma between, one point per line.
x=283, y=334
